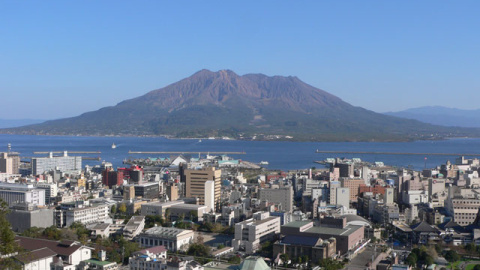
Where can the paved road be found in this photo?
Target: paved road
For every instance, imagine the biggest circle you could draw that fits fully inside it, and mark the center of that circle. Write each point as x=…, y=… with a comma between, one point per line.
x=362, y=259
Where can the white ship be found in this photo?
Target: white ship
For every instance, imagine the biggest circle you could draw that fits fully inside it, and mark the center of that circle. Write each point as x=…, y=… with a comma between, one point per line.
x=263, y=163
x=114, y=146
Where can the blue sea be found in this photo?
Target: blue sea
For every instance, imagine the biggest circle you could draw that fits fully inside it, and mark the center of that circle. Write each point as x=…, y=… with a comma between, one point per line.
x=280, y=155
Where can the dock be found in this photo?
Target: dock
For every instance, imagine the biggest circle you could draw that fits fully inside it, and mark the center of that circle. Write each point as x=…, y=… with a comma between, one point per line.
x=185, y=152
x=69, y=152
x=395, y=153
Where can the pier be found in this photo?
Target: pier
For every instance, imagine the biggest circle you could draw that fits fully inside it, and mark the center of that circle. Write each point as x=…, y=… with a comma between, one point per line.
x=395, y=153
x=185, y=152
x=69, y=152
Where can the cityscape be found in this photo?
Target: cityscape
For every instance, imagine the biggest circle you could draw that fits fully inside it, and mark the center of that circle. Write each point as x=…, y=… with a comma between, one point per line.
x=239, y=135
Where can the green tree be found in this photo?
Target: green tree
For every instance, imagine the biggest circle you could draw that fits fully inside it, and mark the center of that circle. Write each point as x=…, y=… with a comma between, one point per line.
x=33, y=232
x=7, y=237
x=122, y=208
x=197, y=249
x=330, y=264
x=305, y=258
x=412, y=259
x=452, y=256
x=152, y=220
x=113, y=210
x=429, y=260
x=52, y=233
x=235, y=260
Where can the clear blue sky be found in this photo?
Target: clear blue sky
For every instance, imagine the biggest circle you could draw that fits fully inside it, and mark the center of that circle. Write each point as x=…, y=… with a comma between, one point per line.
x=63, y=58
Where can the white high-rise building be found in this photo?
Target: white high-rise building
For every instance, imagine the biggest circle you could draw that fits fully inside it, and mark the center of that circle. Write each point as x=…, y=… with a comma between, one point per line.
x=342, y=197
x=210, y=195
x=63, y=163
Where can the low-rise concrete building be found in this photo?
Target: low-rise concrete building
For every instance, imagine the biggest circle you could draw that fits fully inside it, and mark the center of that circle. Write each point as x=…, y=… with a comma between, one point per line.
x=251, y=233
x=348, y=237
x=153, y=258
x=313, y=247
x=68, y=254
x=172, y=238
x=134, y=226
x=157, y=208
x=23, y=216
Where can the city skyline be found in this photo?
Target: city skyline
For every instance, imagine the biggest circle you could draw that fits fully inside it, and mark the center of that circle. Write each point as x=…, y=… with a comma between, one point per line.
x=63, y=59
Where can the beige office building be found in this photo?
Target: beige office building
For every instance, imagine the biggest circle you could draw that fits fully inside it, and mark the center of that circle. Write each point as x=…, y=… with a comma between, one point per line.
x=9, y=163
x=197, y=186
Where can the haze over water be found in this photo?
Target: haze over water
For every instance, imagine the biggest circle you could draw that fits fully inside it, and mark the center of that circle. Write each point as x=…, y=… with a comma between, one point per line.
x=280, y=155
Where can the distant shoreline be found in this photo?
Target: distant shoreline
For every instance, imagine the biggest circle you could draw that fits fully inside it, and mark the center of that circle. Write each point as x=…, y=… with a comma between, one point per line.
x=170, y=137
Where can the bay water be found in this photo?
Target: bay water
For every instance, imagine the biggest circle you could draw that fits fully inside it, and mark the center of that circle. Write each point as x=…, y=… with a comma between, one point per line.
x=280, y=155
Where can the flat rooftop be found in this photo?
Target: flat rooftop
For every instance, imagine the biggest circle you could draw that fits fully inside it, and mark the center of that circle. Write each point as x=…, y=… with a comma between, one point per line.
x=164, y=204
x=349, y=229
x=167, y=232
x=259, y=222
x=188, y=206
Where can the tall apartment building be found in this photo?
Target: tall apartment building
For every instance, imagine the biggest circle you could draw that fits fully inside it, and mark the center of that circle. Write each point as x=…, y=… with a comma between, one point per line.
x=9, y=162
x=112, y=178
x=282, y=196
x=63, y=163
x=354, y=186
x=251, y=233
x=198, y=185
x=342, y=196
x=21, y=193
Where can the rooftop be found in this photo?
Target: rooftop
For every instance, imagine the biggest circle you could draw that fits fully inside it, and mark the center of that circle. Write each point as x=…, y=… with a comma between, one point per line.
x=35, y=255
x=349, y=229
x=154, y=250
x=166, y=231
x=98, y=262
x=57, y=247
x=254, y=222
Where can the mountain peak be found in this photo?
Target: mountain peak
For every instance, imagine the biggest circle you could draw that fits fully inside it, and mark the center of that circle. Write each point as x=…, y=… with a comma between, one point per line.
x=222, y=103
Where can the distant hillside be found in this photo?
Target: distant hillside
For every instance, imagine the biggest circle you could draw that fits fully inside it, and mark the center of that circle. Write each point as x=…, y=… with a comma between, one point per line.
x=252, y=106
x=442, y=116
x=10, y=123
